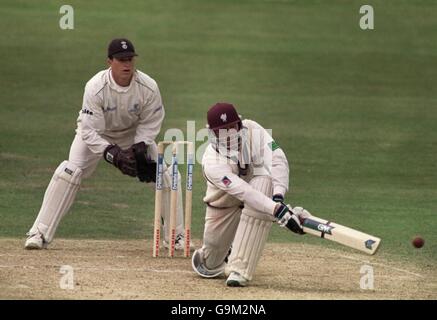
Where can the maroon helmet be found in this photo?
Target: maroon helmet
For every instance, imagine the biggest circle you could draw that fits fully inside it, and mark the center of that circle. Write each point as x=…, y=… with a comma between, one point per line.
x=224, y=124
x=223, y=115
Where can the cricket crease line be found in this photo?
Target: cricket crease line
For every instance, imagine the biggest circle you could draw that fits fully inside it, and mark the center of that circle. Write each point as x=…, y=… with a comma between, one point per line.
x=102, y=269
x=383, y=265
x=133, y=269
x=13, y=255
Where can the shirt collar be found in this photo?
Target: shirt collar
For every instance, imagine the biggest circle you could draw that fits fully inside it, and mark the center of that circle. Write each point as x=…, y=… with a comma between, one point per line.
x=117, y=87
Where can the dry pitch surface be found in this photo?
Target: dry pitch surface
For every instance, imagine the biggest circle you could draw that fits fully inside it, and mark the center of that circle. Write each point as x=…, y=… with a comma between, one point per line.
x=126, y=270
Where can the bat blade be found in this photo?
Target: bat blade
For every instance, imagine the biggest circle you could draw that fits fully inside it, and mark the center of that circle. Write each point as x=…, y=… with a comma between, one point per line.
x=341, y=234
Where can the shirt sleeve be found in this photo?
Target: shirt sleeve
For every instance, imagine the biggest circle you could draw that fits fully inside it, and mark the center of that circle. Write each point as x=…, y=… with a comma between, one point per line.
x=270, y=159
x=222, y=177
x=93, y=121
x=280, y=172
x=151, y=119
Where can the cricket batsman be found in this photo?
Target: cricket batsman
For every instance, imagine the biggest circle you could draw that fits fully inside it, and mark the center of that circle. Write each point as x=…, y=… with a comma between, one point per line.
x=121, y=115
x=247, y=177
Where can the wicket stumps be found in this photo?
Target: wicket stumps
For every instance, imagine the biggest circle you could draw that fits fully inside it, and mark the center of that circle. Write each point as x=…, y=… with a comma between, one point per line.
x=173, y=196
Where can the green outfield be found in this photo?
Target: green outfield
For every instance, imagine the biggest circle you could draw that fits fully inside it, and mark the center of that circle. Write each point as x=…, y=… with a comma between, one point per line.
x=355, y=111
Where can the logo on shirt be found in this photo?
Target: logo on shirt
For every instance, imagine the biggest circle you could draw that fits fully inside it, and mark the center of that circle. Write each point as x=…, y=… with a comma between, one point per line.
x=86, y=111
x=107, y=109
x=224, y=117
x=226, y=181
x=273, y=145
x=135, y=108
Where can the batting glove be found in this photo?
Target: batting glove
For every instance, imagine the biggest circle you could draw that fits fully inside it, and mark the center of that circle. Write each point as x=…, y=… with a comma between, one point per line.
x=286, y=218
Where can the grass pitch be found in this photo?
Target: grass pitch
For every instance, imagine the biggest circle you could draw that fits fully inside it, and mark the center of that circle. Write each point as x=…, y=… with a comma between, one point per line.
x=354, y=110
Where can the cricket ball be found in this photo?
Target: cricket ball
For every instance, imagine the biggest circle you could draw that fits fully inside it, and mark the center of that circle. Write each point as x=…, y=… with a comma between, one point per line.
x=418, y=242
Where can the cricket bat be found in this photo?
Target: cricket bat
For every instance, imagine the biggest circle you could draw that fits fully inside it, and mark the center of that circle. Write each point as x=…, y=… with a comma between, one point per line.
x=341, y=234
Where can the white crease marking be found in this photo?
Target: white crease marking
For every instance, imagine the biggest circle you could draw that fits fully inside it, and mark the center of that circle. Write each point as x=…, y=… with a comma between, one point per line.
x=383, y=265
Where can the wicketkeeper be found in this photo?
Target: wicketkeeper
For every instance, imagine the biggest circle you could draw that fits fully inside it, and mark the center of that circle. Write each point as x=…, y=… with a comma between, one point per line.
x=247, y=177
x=121, y=115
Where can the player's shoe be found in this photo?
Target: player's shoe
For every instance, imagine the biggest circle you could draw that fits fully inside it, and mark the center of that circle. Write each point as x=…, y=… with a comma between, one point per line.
x=179, y=244
x=236, y=280
x=35, y=242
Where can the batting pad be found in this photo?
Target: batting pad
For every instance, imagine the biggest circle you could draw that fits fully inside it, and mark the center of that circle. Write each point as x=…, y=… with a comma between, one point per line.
x=251, y=235
x=58, y=199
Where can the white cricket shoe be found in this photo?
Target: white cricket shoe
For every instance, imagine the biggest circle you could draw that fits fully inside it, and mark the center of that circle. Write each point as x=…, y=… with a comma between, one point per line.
x=35, y=242
x=179, y=244
x=236, y=280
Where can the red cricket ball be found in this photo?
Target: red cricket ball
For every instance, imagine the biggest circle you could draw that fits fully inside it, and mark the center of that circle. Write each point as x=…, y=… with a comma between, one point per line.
x=418, y=242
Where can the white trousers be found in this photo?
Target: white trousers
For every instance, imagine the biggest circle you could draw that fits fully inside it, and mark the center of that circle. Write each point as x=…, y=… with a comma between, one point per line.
x=221, y=224
x=83, y=158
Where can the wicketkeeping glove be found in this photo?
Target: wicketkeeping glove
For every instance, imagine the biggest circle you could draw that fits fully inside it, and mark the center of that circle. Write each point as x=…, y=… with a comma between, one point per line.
x=286, y=218
x=121, y=159
x=146, y=167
